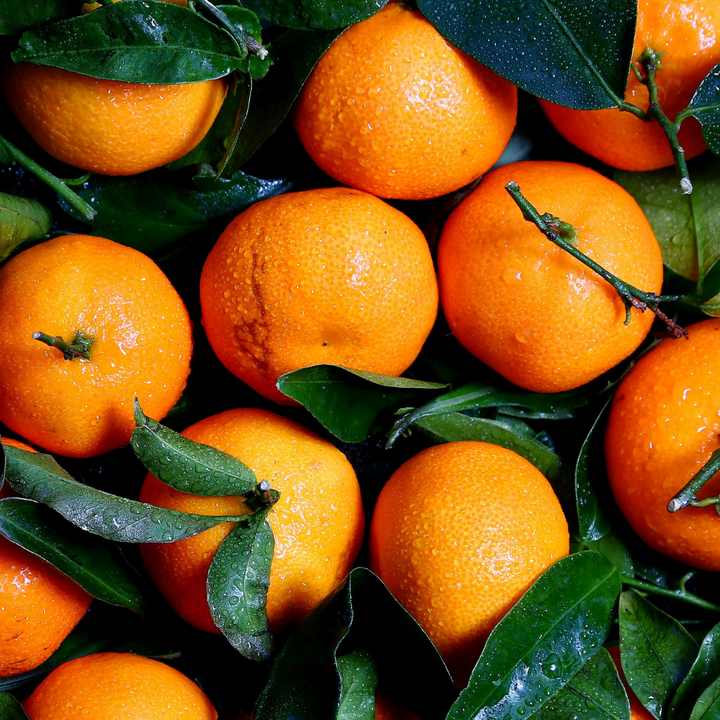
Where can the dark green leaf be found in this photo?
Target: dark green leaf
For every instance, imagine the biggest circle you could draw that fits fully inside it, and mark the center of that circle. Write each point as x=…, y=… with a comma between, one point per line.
x=708, y=704
x=451, y=427
x=294, y=55
x=705, y=106
x=248, y=23
x=39, y=477
x=687, y=226
x=238, y=582
x=358, y=678
x=478, y=395
x=571, y=52
x=595, y=693
x=703, y=672
x=541, y=644
x=352, y=404
x=613, y=548
x=21, y=219
x=10, y=708
x=657, y=652
x=187, y=465
x=95, y=564
x=16, y=17
x=304, y=681
x=135, y=41
x=592, y=522
x=314, y=15
x=151, y=213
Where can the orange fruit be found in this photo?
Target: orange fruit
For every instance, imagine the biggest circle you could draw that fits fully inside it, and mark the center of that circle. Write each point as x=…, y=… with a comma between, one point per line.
x=106, y=126
x=318, y=522
x=117, y=686
x=140, y=343
x=662, y=428
x=323, y=276
x=524, y=306
x=637, y=709
x=687, y=32
x=394, y=109
x=458, y=534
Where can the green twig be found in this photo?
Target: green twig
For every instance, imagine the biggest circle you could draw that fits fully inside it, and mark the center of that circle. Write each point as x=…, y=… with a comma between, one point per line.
x=59, y=186
x=679, y=593
x=79, y=347
x=632, y=297
x=688, y=495
x=242, y=38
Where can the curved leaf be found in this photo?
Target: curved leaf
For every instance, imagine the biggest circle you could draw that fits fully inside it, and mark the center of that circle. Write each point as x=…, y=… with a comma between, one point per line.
x=572, y=52
x=316, y=14
x=16, y=17
x=39, y=477
x=10, y=708
x=708, y=704
x=237, y=586
x=358, y=677
x=21, y=219
x=186, y=465
x=541, y=644
x=94, y=564
x=705, y=107
x=135, y=41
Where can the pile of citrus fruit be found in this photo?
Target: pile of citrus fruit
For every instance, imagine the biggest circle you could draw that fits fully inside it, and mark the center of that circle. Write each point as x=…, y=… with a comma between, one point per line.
x=359, y=360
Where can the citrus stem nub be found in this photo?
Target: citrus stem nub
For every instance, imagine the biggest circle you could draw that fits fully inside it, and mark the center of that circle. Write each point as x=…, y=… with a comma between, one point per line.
x=79, y=347
x=688, y=495
x=631, y=296
x=261, y=496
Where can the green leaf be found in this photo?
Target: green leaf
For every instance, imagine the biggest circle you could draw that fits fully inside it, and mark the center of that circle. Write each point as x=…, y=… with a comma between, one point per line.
x=39, y=477
x=613, y=548
x=237, y=586
x=154, y=214
x=95, y=564
x=708, y=704
x=359, y=678
x=135, y=41
x=541, y=644
x=16, y=17
x=701, y=675
x=10, y=708
x=705, y=107
x=570, y=52
x=294, y=55
x=595, y=693
x=352, y=404
x=687, y=226
x=21, y=219
x=304, y=681
x=477, y=396
x=316, y=14
x=186, y=465
x=656, y=651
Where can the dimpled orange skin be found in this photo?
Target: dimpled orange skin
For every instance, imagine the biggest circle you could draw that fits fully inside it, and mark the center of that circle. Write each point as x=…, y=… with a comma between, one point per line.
x=524, y=306
x=687, y=32
x=323, y=276
x=118, y=686
x=110, y=127
x=392, y=108
x=142, y=343
x=458, y=534
x=318, y=522
x=663, y=427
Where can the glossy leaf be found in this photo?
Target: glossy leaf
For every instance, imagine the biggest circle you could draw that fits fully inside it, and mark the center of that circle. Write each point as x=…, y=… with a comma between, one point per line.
x=10, y=708
x=352, y=404
x=656, y=652
x=186, y=465
x=703, y=672
x=358, y=678
x=154, y=214
x=16, y=17
x=94, y=564
x=708, y=704
x=477, y=396
x=316, y=14
x=595, y=693
x=304, y=681
x=614, y=549
x=21, y=219
x=687, y=226
x=294, y=55
x=572, y=52
x=135, y=41
x=543, y=641
x=705, y=107
x=39, y=477
x=237, y=586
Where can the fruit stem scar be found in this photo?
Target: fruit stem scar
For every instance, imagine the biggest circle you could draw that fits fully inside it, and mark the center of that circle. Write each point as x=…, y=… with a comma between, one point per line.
x=554, y=231
x=79, y=347
x=688, y=495
x=262, y=496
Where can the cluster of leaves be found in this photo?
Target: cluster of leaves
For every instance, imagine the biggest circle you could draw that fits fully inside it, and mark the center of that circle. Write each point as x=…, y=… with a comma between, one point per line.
x=546, y=658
